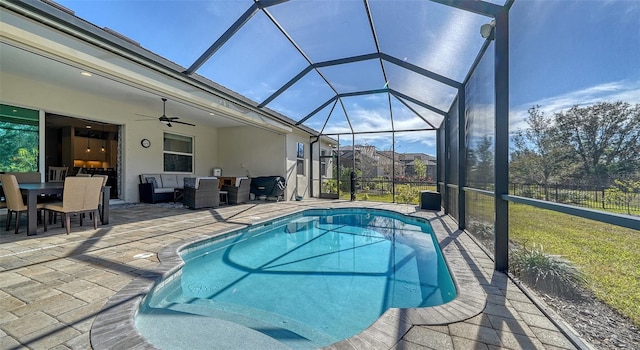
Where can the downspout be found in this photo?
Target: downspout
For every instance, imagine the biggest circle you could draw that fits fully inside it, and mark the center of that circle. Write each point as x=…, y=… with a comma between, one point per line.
x=311, y=164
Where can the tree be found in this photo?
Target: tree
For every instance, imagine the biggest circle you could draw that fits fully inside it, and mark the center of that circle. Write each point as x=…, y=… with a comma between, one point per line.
x=481, y=175
x=420, y=168
x=622, y=193
x=18, y=147
x=605, y=137
x=538, y=155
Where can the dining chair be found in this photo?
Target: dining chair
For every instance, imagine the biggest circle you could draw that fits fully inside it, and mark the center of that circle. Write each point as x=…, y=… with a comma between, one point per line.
x=104, y=178
x=15, y=202
x=80, y=195
x=3, y=199
x=57, y=173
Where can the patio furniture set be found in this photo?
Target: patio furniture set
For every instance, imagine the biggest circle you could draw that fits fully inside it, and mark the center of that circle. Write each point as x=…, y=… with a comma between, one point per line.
x=60, y=195
x=209, y=191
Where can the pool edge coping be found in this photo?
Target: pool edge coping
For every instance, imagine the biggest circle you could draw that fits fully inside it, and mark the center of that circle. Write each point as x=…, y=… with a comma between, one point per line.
x=114, y=325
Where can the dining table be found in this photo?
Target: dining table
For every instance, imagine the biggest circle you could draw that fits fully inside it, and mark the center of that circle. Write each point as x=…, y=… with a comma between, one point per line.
x=33, y=190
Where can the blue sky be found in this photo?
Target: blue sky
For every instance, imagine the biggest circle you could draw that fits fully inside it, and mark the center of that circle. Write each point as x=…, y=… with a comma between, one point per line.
x=562, y=53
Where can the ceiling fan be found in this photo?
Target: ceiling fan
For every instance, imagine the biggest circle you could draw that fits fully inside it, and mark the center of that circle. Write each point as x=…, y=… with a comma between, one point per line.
x=168, y=120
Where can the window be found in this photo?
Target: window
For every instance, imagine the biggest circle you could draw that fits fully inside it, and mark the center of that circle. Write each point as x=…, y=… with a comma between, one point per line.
x=178, y=153
x=20, y=140
x=300, y=159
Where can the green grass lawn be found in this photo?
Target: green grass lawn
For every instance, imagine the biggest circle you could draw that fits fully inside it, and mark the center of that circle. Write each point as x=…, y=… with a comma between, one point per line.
x=608, y=255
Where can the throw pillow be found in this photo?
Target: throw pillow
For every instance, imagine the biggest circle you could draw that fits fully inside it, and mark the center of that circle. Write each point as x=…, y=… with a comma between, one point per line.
x=190, y=182
x=152, y=180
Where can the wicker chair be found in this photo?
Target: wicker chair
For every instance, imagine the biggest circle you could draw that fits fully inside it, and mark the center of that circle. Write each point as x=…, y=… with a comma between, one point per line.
x=240, y=193
x=201, y=193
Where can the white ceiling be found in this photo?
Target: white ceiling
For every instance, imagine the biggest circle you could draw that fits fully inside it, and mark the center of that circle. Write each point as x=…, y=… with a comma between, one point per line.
x=20, y=62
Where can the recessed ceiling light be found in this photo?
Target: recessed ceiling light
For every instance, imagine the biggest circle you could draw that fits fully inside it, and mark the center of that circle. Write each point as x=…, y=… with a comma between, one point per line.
x=88, y=126
x=211, y=113
x=86, y=74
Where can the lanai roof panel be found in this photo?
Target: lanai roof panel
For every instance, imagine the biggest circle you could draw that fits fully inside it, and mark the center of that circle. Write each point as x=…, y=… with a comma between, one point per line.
x=303, y=97
x=356, y=76
x=436, y=37
x=256, y=61
x=326, y=30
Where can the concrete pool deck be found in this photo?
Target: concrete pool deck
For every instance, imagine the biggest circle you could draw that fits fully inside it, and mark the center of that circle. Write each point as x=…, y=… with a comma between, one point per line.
x=66, y=292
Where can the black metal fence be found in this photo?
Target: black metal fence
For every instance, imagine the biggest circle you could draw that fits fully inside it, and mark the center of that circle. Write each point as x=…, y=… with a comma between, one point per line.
x=590, y=196
x=608, y=198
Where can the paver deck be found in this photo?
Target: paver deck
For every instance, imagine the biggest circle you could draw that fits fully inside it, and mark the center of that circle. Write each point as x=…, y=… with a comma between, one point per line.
x=56, y=291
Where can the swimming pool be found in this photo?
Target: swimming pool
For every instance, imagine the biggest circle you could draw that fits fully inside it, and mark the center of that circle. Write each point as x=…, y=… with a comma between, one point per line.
x=303, y=281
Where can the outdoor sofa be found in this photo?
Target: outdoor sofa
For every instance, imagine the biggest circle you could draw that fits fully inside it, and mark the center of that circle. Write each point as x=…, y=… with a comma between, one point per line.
x=155, y=188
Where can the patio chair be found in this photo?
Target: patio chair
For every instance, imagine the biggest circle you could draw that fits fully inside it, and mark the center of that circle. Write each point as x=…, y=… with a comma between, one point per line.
x=57, y=173
x=3, y=199
x=15, y=202
x=104, y=178
x=240, y=192
x=81, y=195
x=201, y=193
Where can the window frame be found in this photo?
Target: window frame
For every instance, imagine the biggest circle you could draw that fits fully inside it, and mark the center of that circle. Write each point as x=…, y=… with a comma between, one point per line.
x=300, y=168
x=168, y=152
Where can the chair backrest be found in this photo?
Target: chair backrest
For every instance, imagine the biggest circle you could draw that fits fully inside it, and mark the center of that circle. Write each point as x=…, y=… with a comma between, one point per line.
x=245, y=183
x=83, y=175
x=239, y=180
x=57, y=173
x=12, y=193
x=208, y=184
x=28, y=177
x=3, y=199
x=81, y=193
x=104, y=178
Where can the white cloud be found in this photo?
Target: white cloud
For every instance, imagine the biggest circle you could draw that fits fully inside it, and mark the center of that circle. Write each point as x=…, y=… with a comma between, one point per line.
x=627, y=91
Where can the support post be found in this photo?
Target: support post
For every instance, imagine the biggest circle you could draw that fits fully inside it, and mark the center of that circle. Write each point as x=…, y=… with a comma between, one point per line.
x=462, y=159
x=447, y=164
x=501, y=162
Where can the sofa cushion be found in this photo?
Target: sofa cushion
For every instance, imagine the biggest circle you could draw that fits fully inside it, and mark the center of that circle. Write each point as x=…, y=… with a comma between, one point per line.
x=180, y=178
x=164, y=190
x=198, y=178
x=170, y=180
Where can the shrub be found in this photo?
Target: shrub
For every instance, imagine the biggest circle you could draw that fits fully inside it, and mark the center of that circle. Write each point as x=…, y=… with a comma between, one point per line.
x=546, y=273
x=330, y=186
x=405, y=194
x=575, y=197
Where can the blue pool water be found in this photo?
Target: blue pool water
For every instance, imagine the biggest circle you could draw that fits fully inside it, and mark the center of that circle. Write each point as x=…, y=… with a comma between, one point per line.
x=304, y=281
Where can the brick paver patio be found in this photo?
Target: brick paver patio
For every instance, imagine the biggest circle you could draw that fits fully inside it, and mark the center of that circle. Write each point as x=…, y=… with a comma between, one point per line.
x=53, y=286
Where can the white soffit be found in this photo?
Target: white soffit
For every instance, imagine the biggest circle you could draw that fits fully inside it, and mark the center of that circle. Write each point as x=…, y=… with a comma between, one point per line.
x=36, y=37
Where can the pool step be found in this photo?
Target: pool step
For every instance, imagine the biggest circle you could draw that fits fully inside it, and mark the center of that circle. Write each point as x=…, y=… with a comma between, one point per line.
x=290, y=332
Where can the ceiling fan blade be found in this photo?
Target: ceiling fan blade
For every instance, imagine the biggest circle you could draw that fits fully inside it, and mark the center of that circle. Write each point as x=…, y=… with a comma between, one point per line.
x=185, y=123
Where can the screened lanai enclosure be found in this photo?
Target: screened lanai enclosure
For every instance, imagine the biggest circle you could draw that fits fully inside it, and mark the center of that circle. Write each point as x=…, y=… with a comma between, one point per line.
x=490, y=97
